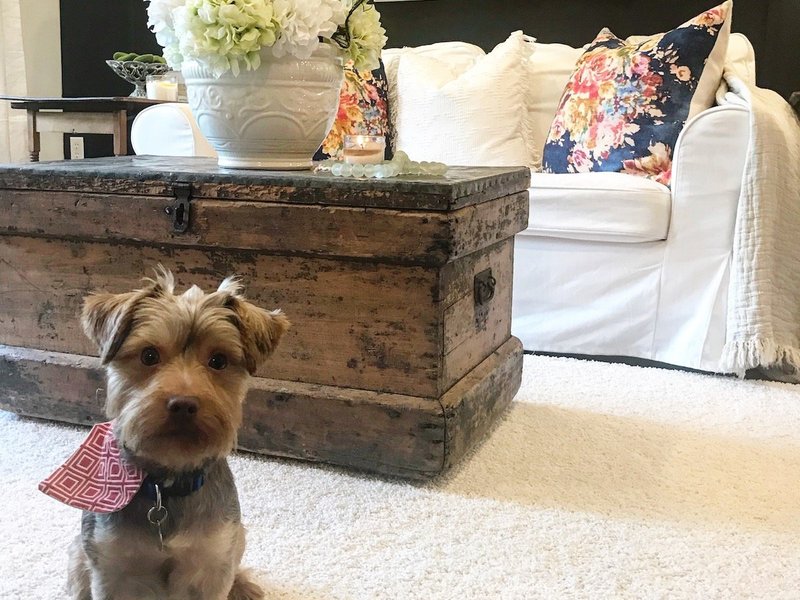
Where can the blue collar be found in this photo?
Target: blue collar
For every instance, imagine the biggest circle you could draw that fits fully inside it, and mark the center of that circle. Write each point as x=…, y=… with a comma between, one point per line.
x=179, y=486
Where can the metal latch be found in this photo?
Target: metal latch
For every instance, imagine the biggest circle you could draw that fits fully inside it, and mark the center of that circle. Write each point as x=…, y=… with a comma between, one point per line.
x=180, y=209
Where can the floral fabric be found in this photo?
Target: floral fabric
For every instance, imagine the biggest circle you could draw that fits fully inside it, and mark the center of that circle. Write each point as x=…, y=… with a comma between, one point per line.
x=626, y=103
x=363, y=110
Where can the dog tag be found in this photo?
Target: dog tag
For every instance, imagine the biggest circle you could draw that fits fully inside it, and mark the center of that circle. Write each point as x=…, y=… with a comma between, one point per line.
x=157, y=515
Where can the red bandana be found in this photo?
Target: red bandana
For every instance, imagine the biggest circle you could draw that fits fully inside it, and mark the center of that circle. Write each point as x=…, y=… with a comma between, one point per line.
x=94, y=478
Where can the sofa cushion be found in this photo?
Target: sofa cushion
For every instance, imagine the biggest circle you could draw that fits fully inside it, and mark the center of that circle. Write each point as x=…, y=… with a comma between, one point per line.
x=627, y=102
x=610, y=207
x=463, y=114
x=363, y=110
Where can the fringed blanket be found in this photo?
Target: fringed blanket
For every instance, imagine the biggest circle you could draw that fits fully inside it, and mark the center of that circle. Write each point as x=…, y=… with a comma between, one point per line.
x=763, y=326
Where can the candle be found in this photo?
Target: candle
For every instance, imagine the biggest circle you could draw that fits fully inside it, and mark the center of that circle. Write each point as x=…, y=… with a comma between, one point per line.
x=161, y=88
x=364, y=149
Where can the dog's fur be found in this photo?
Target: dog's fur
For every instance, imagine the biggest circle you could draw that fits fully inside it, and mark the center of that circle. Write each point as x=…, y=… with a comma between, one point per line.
x=117, y=556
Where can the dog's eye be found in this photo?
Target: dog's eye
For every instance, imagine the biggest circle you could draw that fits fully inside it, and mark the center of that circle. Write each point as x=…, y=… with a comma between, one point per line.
x=218, y=361
x=150, y=356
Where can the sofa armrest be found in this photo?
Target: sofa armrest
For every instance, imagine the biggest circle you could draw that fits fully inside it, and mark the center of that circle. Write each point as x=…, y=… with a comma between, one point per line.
x=708, y=166
x=168, y=129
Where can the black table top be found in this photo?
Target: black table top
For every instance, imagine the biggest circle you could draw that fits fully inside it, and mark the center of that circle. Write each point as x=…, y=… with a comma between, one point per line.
x=86, y=104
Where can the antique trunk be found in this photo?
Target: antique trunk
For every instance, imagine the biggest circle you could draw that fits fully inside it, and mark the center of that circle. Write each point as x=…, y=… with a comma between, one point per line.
x=400, y=355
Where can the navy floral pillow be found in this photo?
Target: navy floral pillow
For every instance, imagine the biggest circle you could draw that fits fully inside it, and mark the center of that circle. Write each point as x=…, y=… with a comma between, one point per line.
x=626, y=103
x=363, y=110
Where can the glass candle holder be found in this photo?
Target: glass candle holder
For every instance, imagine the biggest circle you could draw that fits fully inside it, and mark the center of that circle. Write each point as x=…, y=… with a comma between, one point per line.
x=364, y=149
x=162, y=87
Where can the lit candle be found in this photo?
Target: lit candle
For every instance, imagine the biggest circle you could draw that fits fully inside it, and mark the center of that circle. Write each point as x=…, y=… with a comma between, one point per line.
x=364, y=149
x=160, y=88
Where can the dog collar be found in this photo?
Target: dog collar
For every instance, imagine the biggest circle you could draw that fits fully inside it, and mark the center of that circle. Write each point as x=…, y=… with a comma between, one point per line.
x=178, y=486
x=95, y=478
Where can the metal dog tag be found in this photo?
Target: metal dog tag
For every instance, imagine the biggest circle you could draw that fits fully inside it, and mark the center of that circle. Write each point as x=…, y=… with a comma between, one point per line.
x=157, y=515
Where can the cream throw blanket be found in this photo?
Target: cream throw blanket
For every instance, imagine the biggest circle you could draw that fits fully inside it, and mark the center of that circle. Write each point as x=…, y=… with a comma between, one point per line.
x=763, y=327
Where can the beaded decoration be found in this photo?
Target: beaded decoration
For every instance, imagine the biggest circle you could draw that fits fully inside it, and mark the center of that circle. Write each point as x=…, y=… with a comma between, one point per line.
x=399, y=165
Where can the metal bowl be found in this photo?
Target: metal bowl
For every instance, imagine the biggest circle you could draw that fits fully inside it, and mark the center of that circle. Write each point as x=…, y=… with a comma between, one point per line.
x=136, y=72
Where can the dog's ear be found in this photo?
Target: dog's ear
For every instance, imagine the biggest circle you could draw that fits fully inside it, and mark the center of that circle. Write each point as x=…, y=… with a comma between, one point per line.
x=261, y=330
x=107, y=318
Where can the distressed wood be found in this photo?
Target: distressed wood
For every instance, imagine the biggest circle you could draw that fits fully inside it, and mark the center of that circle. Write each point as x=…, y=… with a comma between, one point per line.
x=391, y=364
x=475, y=403
x=151, y=175
x=391, y=236
x=471, y=331
x=389, y=434
x=359, y=325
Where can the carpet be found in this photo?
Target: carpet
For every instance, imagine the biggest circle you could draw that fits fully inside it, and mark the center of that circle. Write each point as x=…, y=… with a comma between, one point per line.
x=601, y=481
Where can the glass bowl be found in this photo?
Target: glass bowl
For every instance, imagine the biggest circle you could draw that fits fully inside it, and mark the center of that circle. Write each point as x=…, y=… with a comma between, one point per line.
x=136, y=73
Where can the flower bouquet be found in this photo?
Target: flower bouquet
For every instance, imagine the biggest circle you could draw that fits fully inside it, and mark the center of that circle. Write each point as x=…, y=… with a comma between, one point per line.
x=229, y=35
x=263, y=76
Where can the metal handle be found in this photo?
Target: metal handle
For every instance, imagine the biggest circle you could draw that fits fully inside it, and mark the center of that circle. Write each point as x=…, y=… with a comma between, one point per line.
x=484, y=285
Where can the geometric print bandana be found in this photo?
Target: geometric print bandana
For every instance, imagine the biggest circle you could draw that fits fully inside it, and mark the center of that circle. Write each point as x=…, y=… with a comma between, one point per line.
x=95, y=478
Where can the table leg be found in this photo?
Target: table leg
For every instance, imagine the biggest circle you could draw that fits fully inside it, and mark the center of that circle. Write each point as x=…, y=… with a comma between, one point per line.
x=34, y=139
x=120, y=132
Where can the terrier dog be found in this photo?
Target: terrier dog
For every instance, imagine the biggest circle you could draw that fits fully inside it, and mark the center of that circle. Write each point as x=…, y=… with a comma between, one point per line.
x=178, y=368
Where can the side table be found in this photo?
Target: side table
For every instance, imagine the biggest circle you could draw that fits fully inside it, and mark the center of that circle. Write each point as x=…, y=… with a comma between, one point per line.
x=108, y=115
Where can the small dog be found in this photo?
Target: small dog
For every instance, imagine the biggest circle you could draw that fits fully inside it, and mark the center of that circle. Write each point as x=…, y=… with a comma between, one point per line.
x=178, y=368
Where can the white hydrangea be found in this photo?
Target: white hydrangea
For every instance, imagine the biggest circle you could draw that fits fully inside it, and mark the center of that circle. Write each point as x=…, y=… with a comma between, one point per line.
x=160, y=22
x=367, y=37
x=228, y=35
x=225, y=35
x=303, y=22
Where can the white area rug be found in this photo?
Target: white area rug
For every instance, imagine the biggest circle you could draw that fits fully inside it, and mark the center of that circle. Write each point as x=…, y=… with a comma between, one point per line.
x=603, y=481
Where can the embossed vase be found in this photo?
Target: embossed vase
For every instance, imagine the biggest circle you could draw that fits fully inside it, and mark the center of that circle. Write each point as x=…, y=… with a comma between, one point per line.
x=274, y=117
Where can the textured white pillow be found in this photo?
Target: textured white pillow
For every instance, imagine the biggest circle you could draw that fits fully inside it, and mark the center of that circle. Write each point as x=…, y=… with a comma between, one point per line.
x=466, y=114
x=459, y=55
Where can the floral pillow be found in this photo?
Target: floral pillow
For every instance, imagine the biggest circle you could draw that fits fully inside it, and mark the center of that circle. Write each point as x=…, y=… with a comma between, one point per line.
x=627, y=101
x=363, y=110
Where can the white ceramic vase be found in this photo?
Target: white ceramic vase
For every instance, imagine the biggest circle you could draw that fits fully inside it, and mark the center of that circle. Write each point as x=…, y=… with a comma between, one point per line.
x=274, y=117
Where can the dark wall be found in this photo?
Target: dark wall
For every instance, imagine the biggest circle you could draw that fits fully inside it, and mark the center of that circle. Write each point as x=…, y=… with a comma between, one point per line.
x=92, y=30
x=771, y=25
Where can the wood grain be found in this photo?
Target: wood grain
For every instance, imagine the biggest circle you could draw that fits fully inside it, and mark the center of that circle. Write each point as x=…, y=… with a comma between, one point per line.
x=389, y=434
x=399, y=237
x=360, y=325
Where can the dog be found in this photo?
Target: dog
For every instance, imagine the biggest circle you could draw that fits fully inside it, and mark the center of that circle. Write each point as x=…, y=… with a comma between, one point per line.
x=177, y=371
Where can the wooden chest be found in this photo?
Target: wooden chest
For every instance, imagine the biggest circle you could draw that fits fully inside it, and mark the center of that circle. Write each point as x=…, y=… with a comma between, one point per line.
x=400, y=355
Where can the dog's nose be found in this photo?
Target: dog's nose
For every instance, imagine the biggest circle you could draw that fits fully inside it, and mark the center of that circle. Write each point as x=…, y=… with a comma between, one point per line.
x=183, y=406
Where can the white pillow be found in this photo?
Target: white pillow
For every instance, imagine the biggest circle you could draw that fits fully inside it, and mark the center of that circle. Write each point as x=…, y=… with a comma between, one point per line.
x=460, y=55
x=551, y=67
x=466, y=114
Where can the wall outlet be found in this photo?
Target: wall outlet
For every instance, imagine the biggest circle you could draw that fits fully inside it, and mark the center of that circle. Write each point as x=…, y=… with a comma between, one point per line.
x=75, y=148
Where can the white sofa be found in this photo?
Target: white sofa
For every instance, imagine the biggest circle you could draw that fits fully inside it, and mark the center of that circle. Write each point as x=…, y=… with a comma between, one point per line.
x=610, y=264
